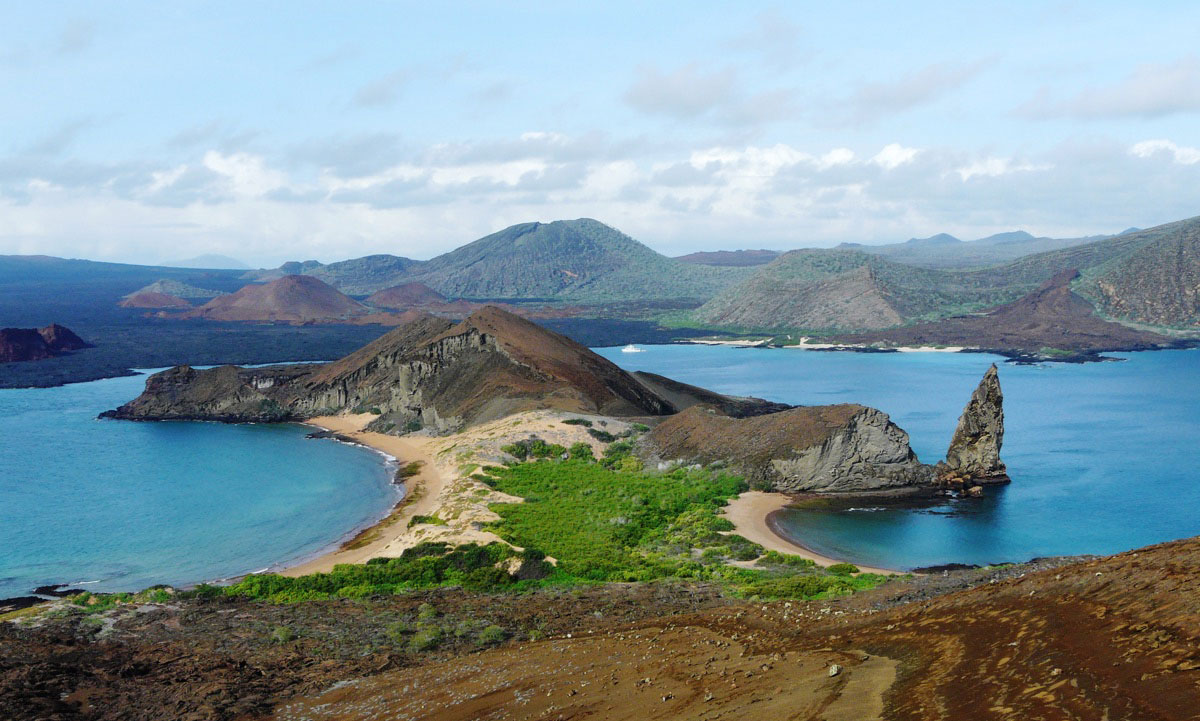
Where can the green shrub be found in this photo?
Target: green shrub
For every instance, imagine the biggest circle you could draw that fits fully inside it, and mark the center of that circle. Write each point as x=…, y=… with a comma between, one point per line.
x=396, y=632
x=578, y=422
x=842, y=569
x=639, y=427
x=602, y=436
x=430, y=520
x=492, y=635
x=426, y=612
x=282, y=634
x=425, y=639
x=581, y=452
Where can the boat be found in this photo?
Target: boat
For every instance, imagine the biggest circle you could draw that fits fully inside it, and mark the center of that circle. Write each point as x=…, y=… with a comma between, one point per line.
x=631, y=348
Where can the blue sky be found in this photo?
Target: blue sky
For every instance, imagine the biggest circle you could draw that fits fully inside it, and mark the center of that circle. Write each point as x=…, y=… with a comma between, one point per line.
x=272, y=131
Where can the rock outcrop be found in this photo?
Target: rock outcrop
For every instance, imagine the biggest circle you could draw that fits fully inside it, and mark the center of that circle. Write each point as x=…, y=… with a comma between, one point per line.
x=974, y=453
x=427, y=374
x=26, y=344
x=838, y=448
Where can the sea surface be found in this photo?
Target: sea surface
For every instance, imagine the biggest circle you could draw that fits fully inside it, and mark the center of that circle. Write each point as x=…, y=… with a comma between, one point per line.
x=119, y=505
x=1104, y=457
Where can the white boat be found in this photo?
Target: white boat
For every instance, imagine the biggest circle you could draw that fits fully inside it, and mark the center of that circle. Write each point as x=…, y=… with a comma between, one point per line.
x=631, y=348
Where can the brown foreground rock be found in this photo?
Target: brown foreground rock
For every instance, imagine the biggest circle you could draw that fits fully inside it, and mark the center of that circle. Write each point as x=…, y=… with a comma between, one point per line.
x=1113, y=638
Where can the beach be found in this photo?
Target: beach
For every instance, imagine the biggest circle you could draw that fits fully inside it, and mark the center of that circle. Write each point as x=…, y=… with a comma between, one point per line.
x=443, y=488
x=750, y=513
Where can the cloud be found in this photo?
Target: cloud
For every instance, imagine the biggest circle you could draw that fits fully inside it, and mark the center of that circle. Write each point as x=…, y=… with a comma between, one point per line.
x=1180, y=153
x=872, y=100
x=59, y=139
x=384, y=91
x=894, y=155
x=687, y=92
x=1151, y=90
x=992, y=167
x=76, y=37
x=775, y=38
x=328, y=198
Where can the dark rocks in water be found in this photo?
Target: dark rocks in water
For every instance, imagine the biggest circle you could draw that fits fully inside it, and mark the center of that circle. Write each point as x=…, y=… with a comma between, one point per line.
x=27, y=344
x=974, y=453
x=60, y=338
x=8, y=605
x=57, y=590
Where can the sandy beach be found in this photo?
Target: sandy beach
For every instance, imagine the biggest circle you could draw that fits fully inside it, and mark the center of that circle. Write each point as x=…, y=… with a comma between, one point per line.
x=750, y=512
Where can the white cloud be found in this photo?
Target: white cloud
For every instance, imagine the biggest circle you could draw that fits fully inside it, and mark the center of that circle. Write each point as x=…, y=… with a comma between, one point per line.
x=1181, y=153
x=993, y=167
x=894, y=155
x=1150, y=90
x=266, y=208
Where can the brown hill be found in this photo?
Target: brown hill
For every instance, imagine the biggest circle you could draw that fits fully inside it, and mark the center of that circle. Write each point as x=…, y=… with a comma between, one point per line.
x=150, y=299
x=1051, y=317
x=429, y=373
x=26, y=344
x=293, y=298
x=405, y=296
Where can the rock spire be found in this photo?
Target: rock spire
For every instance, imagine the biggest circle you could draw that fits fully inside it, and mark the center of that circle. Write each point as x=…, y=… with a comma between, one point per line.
x=974, y=453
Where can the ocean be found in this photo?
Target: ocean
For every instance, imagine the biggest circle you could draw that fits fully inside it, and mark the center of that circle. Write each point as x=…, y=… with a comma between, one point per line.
x=116, y=505
x=1104, y=457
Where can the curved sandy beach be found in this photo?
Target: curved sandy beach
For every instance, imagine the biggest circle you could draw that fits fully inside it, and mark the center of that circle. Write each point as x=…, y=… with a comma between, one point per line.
x=750, y=515
x=423, y=487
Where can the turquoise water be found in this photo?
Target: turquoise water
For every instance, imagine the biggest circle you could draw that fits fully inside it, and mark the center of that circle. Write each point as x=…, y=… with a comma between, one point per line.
x=1104, y=457
x=122, y=505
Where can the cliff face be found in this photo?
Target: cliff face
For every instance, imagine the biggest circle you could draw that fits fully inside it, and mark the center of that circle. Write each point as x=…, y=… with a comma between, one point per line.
x=975, y=448
x=428, y=373
x=839, y=448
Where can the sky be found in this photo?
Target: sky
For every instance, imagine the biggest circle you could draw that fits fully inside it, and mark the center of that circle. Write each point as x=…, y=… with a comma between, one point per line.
x=273, y=131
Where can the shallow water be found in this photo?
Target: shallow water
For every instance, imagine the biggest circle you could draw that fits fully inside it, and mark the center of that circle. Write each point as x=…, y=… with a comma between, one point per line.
x=1104, y=457
x=123, y=505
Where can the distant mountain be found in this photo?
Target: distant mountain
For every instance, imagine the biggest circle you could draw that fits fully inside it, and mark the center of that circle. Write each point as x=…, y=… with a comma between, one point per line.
x=405, y=296
x=292, y=267
x=361, y=276
x=168, y=286
x=946, y=251
x=730, y=258
x=580, y=260
x=210, y=260
x=1150, y=276
x=293, y=298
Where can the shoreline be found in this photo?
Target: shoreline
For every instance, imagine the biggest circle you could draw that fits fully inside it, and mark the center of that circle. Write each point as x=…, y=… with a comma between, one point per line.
x=753, y=517
x=420, y=491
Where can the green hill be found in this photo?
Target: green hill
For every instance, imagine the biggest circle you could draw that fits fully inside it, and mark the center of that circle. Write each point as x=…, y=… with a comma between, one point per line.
x=363, y=276
x=947, y=252
x=580, y=260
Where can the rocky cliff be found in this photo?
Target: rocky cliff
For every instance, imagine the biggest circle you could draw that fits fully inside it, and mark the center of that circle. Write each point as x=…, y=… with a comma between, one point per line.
x=429, y=373
x=838, y=448
x=974, y=453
